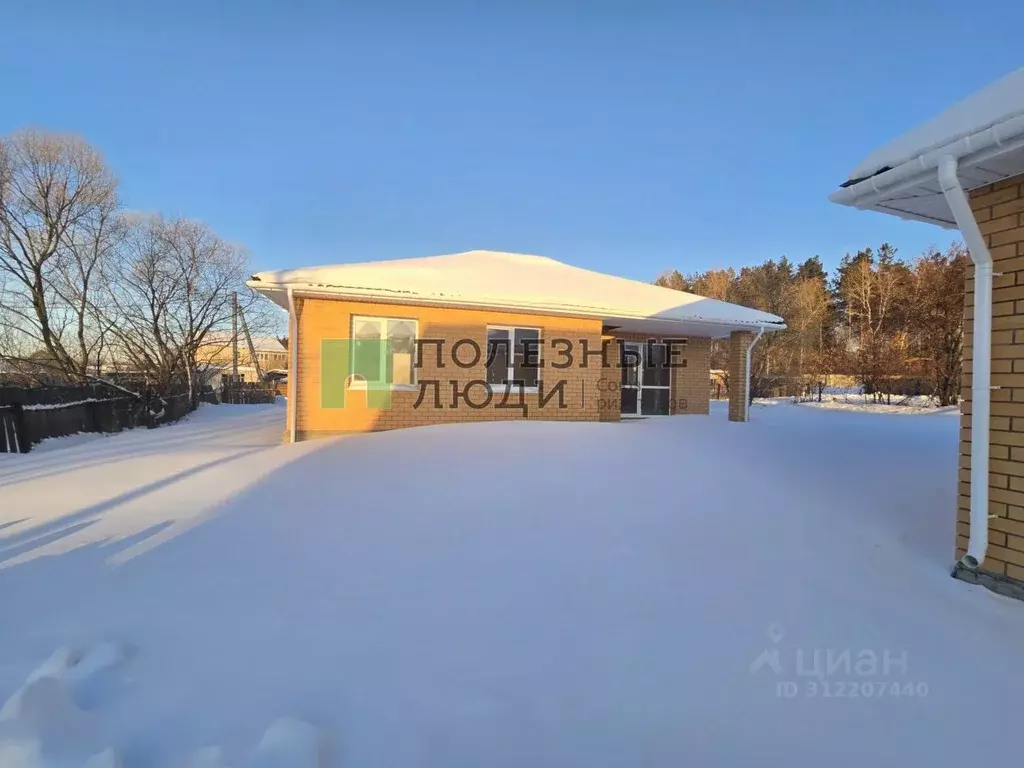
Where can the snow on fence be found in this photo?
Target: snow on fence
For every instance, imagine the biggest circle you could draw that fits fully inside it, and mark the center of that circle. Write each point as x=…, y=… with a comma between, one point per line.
x=30, y=415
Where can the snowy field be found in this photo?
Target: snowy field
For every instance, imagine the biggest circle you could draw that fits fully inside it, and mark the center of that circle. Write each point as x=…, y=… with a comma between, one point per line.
x=854, y=399
x=863, y=404
x=650, y=593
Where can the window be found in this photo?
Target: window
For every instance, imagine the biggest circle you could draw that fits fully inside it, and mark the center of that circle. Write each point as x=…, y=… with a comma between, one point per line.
x=383, y=351
x=513, y=357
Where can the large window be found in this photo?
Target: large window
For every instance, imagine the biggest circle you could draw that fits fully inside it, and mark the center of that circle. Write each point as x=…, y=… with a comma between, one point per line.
x=513, y=357
x=383, y=351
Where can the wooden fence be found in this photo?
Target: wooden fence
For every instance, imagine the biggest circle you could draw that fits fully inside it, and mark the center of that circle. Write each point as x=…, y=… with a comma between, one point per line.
x=29, y=415
x=236, y=391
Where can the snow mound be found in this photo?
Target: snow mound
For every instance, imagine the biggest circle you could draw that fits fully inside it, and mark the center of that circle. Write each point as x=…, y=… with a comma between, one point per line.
x=108, y=758
x=42, y=724
x=44, y=728
x=288, y=743
x=205, y=757
x=79, y=670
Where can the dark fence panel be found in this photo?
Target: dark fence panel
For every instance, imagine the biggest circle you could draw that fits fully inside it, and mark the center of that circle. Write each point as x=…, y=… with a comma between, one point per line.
x=12, y=432
x=174, y=408
x=247, y=393
x=29, y=415
x=54, y=395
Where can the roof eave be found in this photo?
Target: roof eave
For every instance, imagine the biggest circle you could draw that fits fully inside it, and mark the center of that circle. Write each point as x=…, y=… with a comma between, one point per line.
x=277, y=292
x=873, y=192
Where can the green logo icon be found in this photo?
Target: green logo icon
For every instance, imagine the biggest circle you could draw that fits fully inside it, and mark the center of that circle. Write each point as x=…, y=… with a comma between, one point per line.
x=354, y=368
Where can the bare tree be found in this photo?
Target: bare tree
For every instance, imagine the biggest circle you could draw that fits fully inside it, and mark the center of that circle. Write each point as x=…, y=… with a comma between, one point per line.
x=10, y=338
x=210, y=272
x=137, y=293
x=55, y=190
x=170, y=289
x=89, y=244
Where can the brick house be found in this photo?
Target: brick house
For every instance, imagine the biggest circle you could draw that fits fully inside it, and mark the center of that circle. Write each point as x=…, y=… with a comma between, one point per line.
x=965, y=170
x=486, y=335
x=217, y=352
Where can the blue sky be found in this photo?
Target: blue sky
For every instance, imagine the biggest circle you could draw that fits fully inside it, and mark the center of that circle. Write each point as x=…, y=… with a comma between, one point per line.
x=628, y=137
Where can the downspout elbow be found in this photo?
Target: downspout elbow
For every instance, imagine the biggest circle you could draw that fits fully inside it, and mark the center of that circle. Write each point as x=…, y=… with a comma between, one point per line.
x=960, y=206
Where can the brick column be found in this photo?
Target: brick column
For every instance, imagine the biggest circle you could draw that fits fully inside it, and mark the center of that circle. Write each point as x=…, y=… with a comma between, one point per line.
x=739, y=341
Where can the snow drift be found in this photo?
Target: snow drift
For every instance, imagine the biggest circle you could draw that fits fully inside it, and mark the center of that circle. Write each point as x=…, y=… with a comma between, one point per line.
x=510, y=594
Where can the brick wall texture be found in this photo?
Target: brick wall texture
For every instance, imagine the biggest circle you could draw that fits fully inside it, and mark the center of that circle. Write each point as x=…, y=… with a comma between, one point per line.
x=591, y=390
x=999, y=209
x=739, y=341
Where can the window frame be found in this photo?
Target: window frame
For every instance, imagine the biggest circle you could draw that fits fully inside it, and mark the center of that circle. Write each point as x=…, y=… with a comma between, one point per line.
x=362, y=384
x=508, y=386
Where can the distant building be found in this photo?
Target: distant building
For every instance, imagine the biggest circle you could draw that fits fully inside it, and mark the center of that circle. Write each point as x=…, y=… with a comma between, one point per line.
x=370, y=342
x=218, y=352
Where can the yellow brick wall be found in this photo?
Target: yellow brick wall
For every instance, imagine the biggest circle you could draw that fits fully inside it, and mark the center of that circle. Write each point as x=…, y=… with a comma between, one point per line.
x=610, y=396
x=331, y=319
x=737, y=366
x=999, y=209
x=692, y=385
x=591, y=390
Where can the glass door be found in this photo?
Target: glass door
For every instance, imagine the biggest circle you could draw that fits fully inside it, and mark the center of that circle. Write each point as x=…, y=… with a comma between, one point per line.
x=631, y=353
x=645, y=379
x=654, y=381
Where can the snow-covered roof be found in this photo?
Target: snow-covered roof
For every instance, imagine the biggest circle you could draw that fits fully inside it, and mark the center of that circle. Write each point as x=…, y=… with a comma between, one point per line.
x=514, y=281
x=261, y=343
x=984, y=132
x=268, y=344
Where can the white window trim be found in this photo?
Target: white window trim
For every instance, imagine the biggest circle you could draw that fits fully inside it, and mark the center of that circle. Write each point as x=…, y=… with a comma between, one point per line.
x=360, y=384
x=509, y=387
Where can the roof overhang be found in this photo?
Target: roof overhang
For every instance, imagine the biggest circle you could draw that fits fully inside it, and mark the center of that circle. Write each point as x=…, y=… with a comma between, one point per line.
x=911, y=190
x=643, y=324
x=983, y=133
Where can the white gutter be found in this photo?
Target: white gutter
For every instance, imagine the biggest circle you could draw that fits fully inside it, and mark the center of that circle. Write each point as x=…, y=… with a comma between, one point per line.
x=746, y=399
x=972, y=150
x=981, y=372
x=293, y=374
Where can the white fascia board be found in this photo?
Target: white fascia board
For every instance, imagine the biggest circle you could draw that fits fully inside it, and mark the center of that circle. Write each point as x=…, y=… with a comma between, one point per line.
x=971, y=150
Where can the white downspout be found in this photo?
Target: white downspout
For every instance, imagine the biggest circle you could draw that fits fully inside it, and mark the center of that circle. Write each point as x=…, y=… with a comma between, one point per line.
x=981, y=381
x=746, y=398
x=293, y=374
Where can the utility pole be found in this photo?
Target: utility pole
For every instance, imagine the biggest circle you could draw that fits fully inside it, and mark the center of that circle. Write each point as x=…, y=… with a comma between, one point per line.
x=234, y=333
x=253, y=355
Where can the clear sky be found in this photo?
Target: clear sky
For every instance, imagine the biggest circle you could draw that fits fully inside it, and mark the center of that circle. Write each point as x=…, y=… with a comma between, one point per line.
x=628, y=137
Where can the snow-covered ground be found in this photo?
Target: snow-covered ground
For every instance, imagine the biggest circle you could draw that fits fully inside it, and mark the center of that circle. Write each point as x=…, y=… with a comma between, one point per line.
x=902, y=407
x=854, y=399
x=507, y=594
